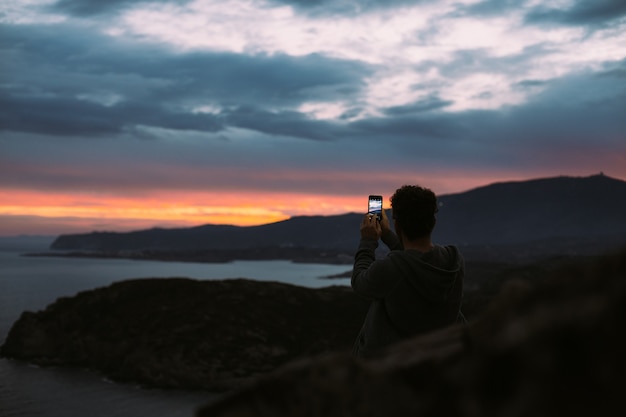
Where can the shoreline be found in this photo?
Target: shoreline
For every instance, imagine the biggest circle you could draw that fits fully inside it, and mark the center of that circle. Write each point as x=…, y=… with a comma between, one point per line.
x=298, y=256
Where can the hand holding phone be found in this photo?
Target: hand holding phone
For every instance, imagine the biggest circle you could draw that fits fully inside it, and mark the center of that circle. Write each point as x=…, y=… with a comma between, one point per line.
x=375, y=206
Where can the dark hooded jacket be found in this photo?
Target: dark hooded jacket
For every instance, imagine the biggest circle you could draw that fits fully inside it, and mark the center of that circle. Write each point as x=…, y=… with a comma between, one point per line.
x=412, y=292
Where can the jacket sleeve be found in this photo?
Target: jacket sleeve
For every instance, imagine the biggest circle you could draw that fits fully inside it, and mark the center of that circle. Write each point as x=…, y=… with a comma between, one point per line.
x=390, y=239
x=370, y=276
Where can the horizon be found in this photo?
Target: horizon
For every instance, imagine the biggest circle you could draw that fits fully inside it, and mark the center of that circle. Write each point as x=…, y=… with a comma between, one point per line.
x=130, y=228
x=134, y=114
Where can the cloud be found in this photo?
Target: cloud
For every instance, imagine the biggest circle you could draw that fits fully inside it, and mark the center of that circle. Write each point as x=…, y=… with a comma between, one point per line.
x=71, y=117
x=62, y=86
x=67, y=88
x=577, y=12
x=540, y=131
x=286, y=123
x=488, y=8
x=84, y=8
x=598, y=13
x=432, y=102
x=346, y=7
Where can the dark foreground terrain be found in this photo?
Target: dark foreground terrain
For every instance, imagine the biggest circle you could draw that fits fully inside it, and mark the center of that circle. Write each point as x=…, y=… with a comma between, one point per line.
x=543, y=339
x=183, y=333
x=549, y=348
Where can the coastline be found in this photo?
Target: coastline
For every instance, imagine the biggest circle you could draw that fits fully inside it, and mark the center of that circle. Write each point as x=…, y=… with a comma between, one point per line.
x=295, y=255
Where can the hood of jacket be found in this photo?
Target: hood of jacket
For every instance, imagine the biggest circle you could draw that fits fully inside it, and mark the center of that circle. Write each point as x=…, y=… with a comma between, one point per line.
x=429, y=292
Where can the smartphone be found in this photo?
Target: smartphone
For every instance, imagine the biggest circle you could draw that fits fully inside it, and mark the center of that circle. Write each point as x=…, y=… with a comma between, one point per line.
x=375, y=205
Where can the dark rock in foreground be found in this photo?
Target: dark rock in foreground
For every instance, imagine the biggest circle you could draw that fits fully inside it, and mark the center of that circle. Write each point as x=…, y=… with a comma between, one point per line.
x=549, y=348
x=182, y=333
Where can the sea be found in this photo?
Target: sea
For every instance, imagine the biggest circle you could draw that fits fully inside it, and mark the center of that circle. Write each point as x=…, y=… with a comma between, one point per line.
x=32, y=283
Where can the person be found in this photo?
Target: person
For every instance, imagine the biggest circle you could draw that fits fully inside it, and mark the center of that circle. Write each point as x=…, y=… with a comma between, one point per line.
x=418, y=286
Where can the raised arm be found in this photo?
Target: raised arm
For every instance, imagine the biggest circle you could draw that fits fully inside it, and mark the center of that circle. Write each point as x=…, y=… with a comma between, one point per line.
x=388, y=236
x=369, y=277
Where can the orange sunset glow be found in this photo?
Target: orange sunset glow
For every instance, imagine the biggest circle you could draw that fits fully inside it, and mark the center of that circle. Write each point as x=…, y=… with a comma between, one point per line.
x=81, y=210
x=168, y=209
x=35, y=212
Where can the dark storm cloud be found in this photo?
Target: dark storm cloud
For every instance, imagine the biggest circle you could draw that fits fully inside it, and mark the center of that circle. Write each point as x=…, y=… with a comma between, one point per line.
x=487, y=8
x=70, y=117
x=616, y=71
x=408, y=126
x=95, y=7
x=346, y=7
x=286, y=123
x=281, y=79
x=278, y=80
x=529, y=84
x=61, y=84
x=583, y=12
x=431, y=103
x=85, y=8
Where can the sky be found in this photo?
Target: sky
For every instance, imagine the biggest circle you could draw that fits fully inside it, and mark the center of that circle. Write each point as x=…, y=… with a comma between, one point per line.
x=130, y=114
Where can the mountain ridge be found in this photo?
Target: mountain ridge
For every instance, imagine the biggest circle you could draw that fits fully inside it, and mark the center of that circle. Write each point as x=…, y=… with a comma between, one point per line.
x=510, y=213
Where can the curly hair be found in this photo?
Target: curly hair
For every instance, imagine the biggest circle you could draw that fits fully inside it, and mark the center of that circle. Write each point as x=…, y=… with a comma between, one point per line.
x=414, y=209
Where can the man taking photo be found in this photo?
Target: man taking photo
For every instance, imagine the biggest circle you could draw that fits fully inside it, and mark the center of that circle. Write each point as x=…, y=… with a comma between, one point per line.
x=418, y=286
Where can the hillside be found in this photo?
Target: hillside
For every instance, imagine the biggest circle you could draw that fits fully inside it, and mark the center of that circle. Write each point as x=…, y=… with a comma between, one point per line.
x=184, y=333
x=517, y=212
x=560, y=215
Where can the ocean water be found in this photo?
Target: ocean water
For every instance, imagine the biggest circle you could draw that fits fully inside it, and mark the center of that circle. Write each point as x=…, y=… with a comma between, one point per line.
x=32, y=283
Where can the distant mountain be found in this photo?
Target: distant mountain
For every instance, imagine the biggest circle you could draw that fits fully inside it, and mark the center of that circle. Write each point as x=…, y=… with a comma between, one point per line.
x=580, y=209
x=333, y=232
x=543, y=209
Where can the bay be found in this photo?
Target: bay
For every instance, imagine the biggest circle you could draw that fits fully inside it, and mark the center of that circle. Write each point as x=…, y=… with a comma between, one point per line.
x=32, y=283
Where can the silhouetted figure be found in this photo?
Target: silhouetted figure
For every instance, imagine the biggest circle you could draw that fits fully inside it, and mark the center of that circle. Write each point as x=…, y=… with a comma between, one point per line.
x=418, y=286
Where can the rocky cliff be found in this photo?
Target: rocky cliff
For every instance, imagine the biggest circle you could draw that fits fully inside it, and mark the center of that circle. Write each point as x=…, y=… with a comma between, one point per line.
x=182, y=333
